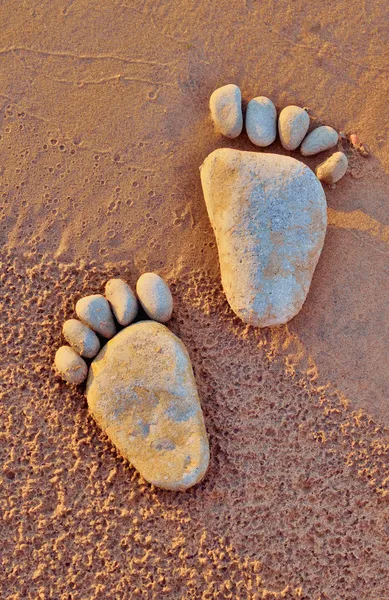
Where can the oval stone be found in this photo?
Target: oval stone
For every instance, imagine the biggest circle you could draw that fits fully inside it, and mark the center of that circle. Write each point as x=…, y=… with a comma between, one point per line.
x=226, y=110
x=268, y=213
x=333, y=169
x=142, y=393
x=122, y=300
x=293, y=124
x=70, y=365
x=261, y=121
x=155, y=297
x=95, y=311
x=320, y=139
x=84, y=341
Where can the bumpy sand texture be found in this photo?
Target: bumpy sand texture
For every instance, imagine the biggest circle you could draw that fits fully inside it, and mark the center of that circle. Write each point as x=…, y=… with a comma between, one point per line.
x=296, y=477
x=104, y=120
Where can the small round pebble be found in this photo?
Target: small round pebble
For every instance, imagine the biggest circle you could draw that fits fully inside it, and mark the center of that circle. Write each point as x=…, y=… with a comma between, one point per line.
x=293, y=124
x=318, y=140
x=122, y=300
x=95, y=311
x=226, y=110
x=261, y=121
x=332, y=169
x=81, y=338
x=155, y=297
x=70, y=365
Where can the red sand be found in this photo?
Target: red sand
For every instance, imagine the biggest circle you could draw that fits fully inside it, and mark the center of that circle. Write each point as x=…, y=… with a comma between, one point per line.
x=105, y=125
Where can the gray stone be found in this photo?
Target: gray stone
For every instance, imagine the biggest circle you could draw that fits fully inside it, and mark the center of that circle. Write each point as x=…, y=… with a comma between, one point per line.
x=82, y=339
x=293, y=124
x=95, y=312
x=268, y=213
x=142, y=393
x=122, y=300
x=155, y=297
x=261, y=121
x=332, y=170
x=226, y=110
x=320, y=139
x=70, y=365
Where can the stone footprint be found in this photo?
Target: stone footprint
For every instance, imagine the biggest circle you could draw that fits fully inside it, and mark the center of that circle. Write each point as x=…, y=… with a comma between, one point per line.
x=140, y=386
x=268, y=211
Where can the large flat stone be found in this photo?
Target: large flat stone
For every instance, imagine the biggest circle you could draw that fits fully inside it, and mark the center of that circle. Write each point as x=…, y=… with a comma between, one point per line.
x=141, y=391
x=268, y=213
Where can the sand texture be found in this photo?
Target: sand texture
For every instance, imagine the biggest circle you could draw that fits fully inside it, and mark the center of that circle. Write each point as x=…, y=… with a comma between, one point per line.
x=104, y=123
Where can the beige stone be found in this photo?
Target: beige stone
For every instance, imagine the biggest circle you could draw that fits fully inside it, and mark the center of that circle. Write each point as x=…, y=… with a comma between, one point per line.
x=95, y=312
x=155, y=297
x=226, y=110
x=293, y=124
x=70, y=365
x=84, y=341
x=320, y=139
x=142, y=393
x=333, y=169
x=122, y=300
x=268, y=213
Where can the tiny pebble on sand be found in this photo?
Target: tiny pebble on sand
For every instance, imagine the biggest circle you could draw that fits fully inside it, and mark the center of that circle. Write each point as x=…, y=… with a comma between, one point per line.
x=155, y=297
x=226, y=110
x=70, y=365
x=332, y=169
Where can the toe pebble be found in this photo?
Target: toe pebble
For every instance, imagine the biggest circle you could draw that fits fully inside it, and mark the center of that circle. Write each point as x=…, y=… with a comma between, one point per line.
x=293, y=125
x=84, y=341
x=332, y=169
x=261, y=121
x=122, y=300
x=226, y=110
x=318, y=140
x=155, y=297
x=95, y=311
x=70, y=365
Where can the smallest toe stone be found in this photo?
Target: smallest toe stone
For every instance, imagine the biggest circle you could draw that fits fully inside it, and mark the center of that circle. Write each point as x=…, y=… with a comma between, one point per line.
x=70, y=365
x=261, y=121
x=293, y=124
x=318, y=140
x=155, y=297
x=82, y=339
x=226, y=110
x=95, y=311
x=122, y=300
x=332, y=169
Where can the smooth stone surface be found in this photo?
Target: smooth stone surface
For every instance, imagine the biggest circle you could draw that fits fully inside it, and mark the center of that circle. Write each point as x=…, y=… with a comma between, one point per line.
x=122, y=300
x=226, y=110
x=293, y=124
x=142, y=393
x=261, y=121
x=318, y=140
x=268, y=213
x=70, y=365
x=332, y=169
x=155, y=297
x=95, y=312
x=82, y=339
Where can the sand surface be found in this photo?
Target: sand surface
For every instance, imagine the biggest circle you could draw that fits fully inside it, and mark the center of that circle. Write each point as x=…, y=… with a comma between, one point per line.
x=103, y=125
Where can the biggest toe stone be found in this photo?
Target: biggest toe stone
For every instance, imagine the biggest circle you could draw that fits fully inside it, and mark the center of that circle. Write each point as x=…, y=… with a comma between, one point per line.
x=142, y=393
x=268, y=213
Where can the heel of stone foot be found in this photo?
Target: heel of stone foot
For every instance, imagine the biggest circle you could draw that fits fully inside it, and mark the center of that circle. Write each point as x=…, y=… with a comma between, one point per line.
x=293, y=125
x=101, y=317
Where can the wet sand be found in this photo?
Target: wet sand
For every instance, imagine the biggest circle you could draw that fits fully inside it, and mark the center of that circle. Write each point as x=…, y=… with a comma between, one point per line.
x=104, y=123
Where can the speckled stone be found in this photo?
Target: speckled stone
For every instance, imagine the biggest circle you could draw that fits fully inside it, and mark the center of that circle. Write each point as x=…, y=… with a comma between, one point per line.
x=320, y=139
x=95, y=312
x=226, y=110
x=84, y=341
x=122, y=300
x=70, y=365
x=293, y=124
x=268, y=213
x=141, y=391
